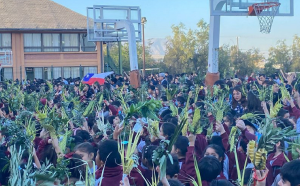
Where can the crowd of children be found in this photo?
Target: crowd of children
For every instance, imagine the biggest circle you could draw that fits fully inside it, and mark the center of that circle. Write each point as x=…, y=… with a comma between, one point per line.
x=171, y=131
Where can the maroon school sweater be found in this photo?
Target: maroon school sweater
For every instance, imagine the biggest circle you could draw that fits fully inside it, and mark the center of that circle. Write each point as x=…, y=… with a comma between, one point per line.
x=111, y=176
x=188, y=169
x=274, y=165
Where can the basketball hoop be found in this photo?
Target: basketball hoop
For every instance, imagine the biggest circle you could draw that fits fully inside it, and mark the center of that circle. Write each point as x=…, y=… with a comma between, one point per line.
x=265, y=13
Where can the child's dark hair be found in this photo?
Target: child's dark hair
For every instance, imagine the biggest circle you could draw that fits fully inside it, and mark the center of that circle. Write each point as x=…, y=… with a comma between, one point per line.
x=111, y=119
x=282, y=112
x=291, y=172
x=49, y=154
x=209, y=168
x=172, y=168
x=109, y=154
x=167, y=117
x=147, y=153
x=172, y=182
x=76, y=166
x=218, y=150
x=85, y=147
x=217, y=140
x=173, y=120
x=85, y=135
x=221, y=183
x=182, y=144
x=284, y=123
x=165, y=112
x=168, y=129
x=181, y=100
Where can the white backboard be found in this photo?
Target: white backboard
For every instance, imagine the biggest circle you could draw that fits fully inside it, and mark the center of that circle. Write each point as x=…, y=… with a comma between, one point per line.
x=101, y=20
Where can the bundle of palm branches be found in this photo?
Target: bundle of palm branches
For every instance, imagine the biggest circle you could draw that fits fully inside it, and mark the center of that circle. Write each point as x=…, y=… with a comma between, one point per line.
x=52, y=121
x=218, y=108
x=195, y=127
x=270, y=136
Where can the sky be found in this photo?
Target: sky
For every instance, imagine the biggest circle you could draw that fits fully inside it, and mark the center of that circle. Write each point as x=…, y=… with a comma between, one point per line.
x=162, y=14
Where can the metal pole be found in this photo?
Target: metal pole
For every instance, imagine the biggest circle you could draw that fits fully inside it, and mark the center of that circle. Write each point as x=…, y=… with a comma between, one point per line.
x=52, y=73
x=120, y=58
x=80, y=71
x=108, y=56
x=144, y=58
x=21, y=73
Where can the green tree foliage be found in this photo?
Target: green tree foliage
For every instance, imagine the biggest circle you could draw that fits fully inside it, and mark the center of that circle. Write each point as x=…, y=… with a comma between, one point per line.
x=187, y=50
x=270, y=68
x=245, y=62
x=296, y=54
x=281, y=55
x=225, y=64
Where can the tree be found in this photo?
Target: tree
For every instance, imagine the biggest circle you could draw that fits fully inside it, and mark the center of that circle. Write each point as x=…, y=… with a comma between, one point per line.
x=225, y=64
x=187, y=50
x=296, y=53
x=280, y=55
x=270, y=69
x=245, y=62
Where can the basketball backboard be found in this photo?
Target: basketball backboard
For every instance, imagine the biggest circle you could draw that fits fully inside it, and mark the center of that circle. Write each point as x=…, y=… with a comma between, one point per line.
x=240, y=7
x=102, y=19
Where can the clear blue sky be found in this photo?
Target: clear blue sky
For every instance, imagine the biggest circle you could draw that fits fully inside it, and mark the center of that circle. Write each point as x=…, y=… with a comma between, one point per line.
x=161, y=14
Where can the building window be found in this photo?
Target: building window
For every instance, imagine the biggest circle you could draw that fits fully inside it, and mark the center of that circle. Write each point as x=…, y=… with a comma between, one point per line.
x=5, y=42
x=71, y=72
x=32, y=42
x=87, y=70
x=51, y=42
x=85, y=45
x=6, y=73
x=75, y=72
x=70, y=42
x=67, y=72
x=38, y=73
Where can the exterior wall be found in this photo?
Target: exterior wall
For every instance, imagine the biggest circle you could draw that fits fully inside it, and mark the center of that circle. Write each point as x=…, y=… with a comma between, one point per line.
x=22, y=59
x=18, y=55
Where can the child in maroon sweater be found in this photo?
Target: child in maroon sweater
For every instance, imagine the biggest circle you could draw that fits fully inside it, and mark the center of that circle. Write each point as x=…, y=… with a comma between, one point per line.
x=108, y=161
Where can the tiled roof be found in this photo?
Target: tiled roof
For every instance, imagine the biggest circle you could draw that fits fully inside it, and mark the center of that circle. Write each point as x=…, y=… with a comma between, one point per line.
x=38, y=14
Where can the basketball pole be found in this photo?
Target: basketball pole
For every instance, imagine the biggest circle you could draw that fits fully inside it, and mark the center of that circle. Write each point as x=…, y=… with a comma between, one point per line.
x=213, y=74
x=144, y=20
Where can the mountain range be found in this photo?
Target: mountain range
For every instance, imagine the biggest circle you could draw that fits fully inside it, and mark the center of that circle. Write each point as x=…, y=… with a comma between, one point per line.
x=158, y=47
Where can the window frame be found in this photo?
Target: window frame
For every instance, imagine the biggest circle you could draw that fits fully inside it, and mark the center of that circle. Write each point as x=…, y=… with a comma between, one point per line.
x=79, y=48
x=2, y=48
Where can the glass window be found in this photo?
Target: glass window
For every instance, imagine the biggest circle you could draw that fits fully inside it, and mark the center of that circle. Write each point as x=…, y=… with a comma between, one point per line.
x=7, y=73
x=87, y=70
x=67, y=72
x=32, y=43
x=56, y=72
x=5, y=42
x=38, y=73
x=70, y=42
x=49, y=73
x=85, y=45
x=75, y=72
x=51, y=42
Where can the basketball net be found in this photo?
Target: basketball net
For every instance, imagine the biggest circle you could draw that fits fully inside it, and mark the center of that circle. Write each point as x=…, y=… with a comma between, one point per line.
x=265, y=13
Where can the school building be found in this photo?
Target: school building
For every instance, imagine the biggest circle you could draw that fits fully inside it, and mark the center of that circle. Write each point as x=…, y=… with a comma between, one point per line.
x=43, y=39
